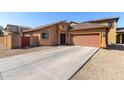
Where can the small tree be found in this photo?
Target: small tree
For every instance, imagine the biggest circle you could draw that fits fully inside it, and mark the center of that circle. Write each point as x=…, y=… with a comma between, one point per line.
x=1, y=30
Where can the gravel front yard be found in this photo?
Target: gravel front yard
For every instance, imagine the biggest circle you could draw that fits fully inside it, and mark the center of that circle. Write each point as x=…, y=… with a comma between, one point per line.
x=11, y=52
x=104, y=65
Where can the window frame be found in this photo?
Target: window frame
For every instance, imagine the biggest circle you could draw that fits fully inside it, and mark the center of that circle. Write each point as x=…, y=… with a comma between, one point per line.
x=44, y=35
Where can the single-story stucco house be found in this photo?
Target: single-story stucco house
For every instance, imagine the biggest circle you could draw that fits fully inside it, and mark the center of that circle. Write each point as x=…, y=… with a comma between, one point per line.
x=60, y=33
x=95, y=33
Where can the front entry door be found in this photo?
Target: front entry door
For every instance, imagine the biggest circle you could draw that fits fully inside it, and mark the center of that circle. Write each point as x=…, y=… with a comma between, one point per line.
x=62, y=39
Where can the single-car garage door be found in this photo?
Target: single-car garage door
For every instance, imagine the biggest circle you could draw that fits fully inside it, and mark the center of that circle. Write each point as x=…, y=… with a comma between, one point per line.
x=85, y=40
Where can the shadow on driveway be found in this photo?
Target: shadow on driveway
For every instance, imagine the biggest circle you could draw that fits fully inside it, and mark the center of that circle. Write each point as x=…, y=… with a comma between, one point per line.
x=117, y=47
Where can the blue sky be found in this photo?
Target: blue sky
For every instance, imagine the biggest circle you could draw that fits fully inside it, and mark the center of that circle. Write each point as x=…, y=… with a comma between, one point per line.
x=35, y=19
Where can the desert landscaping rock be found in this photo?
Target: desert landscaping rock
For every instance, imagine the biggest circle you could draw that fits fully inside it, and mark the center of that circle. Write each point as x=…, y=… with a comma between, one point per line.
x=104, y=65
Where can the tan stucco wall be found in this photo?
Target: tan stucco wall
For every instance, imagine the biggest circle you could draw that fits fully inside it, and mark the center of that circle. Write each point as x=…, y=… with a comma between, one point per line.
x=11, y=41
x=52, y=40
x=52, y=31
x=103, y=36
x=6, y=41
x=112, y=34
x=16, y=41
x=54, y=34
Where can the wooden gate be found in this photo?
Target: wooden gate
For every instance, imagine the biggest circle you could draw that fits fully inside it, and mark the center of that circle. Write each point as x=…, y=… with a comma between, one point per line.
x=34, y=41
x=25, y=41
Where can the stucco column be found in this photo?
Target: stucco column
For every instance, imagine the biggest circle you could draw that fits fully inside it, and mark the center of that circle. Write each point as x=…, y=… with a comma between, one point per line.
x=58, y=37
x=121, y=38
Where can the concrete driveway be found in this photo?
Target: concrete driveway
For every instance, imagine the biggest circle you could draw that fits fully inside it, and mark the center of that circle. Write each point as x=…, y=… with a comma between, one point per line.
x=56, y=63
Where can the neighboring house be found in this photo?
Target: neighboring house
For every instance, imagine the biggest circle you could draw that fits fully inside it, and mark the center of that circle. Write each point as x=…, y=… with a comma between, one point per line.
x=120, y=35
x=85, y=34
x=14, y=29
x=112, y=23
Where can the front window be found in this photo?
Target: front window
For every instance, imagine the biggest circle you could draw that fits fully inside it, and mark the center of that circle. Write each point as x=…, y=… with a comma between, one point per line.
x=45, y=35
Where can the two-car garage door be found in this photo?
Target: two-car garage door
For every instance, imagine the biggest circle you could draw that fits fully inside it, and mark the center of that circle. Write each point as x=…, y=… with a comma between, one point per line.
x=86, y=40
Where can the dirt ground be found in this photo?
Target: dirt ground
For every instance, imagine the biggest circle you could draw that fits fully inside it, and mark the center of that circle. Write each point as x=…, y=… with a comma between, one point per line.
x=11, y=52
x=106, y=64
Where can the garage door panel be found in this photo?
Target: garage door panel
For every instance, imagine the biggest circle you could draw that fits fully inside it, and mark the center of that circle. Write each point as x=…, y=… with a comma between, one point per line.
x=85, y=40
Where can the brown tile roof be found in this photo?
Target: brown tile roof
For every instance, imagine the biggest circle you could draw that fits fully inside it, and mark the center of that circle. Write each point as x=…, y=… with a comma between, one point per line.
x=104, y=19
x=43, y=26
x=83, y=26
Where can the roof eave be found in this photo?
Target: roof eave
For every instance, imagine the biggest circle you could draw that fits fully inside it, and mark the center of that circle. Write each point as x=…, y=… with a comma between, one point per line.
x=120, y=32
x=16, y=26
x=89, y=28
x=92, y=21
x=26, y=31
